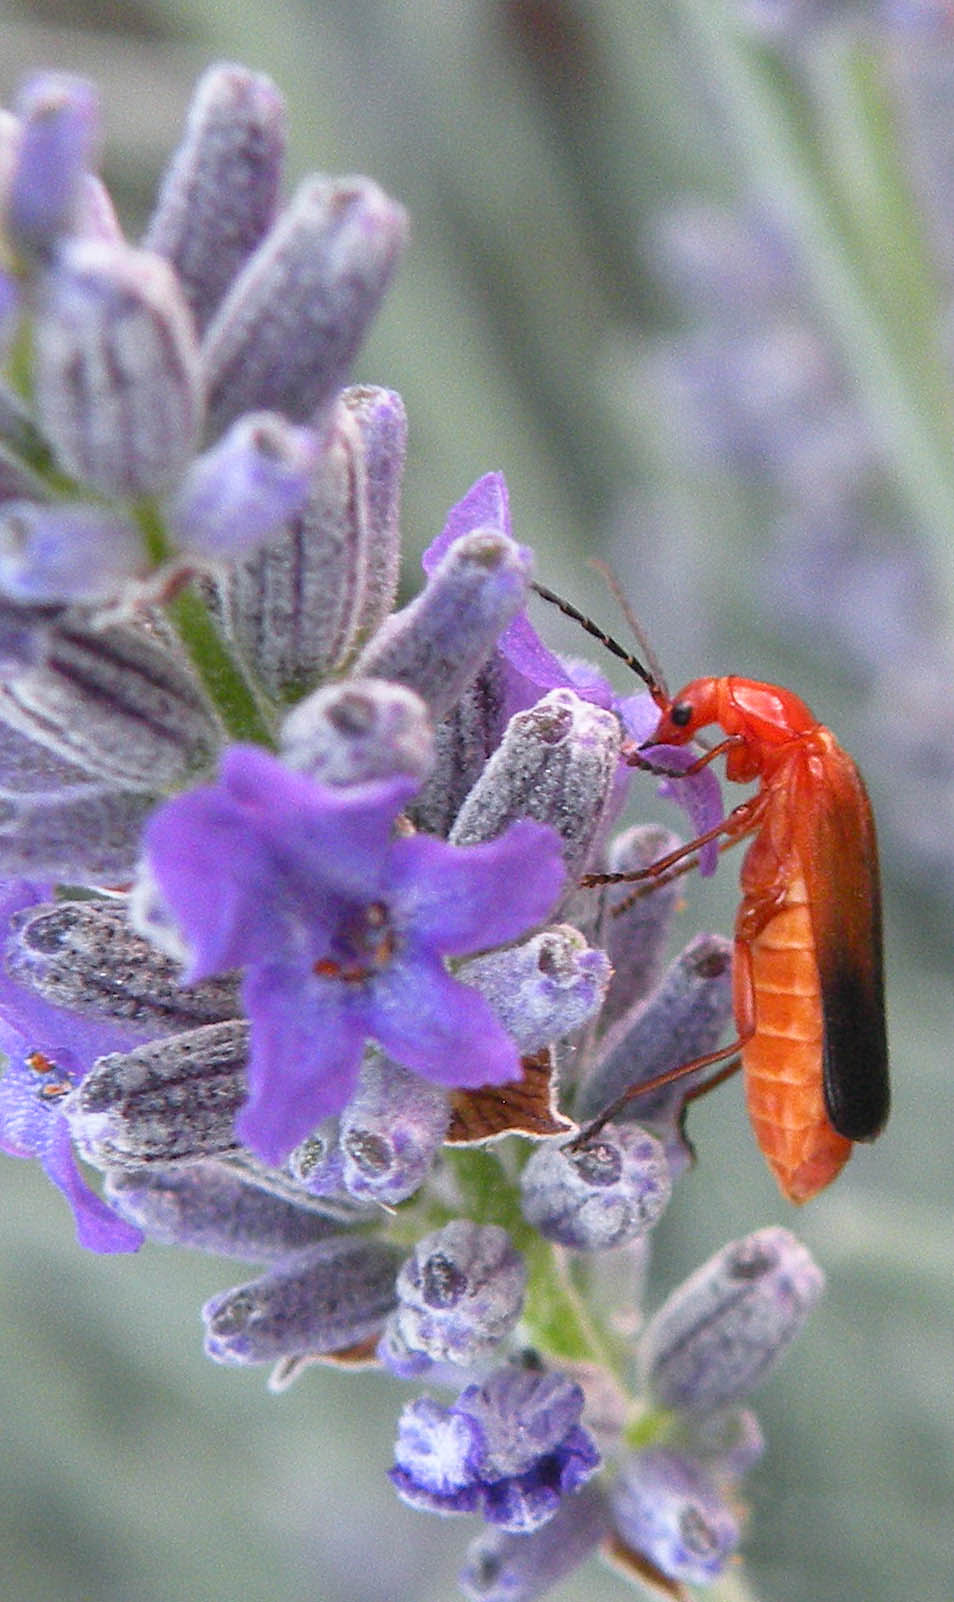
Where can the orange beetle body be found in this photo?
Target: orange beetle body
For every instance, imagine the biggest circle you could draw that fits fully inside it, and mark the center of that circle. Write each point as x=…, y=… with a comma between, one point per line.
x=807, y=978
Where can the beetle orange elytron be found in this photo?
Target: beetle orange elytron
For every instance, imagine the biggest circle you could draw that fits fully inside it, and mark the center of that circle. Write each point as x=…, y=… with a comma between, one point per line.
x=808, y=988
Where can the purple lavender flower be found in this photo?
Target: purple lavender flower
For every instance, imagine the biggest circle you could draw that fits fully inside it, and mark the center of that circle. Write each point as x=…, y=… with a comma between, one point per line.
x=342, y=931
x=510, y=1449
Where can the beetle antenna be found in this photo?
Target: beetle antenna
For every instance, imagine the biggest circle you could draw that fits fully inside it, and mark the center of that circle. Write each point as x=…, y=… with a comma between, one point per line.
x=638, y=632
x=652, y=681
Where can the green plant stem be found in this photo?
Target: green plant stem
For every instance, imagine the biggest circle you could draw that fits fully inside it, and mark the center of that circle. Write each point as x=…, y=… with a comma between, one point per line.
x=224, y=683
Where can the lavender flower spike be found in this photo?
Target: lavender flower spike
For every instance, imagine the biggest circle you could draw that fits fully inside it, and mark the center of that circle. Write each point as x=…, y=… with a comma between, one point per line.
x=557, y=763
x=390, y=1131
x=610, y=1190
x=444, y=636
x=543, y=989
x=66, y=551
x=359, y=730
x=342, y=930
x=505, y=1567
x=244, y=488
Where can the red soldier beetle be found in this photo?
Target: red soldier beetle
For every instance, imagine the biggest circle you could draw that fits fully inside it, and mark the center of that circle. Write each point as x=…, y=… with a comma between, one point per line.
x=808, y=989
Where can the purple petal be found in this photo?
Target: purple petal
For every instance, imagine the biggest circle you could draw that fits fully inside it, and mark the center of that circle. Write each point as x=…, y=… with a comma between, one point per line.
x=463, y=899
x=98, y=1228
x=533, y=670
x=439, y=1028
x=235, y=859
x=486, y=505
x=305, y=1056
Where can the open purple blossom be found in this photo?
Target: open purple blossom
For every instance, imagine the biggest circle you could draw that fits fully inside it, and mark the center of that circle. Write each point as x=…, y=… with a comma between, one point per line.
x=342, y=930
x=509, y=1449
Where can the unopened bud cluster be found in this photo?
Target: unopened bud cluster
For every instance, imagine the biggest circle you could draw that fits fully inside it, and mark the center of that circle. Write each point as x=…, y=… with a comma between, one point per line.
x=294, y=949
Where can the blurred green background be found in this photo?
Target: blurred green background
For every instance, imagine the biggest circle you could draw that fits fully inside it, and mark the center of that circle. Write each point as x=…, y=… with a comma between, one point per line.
x=536, y=145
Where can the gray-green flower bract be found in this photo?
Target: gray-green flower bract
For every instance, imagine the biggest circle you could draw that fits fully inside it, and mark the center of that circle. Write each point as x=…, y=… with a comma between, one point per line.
x=84, y=957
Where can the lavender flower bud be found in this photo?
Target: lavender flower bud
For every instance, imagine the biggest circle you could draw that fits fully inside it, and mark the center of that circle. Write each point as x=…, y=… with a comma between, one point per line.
x=167, y=1100
x=210, y=1208
x=66, y=552
x=593, y=1196
x=218, y=197
x=437, y=644
x=244, y=488
x=390, y=1131
x=547, y=987
x=460, y=1292
x=724, y=1329
x=116, y=705
x=668, y=1510
x=59, y=123
x=299, y=607
x=504, y=1567
x=381, y=422
x=635, y=938
x=286, y=333
x=84, y=957
x=557, y=764
x=683, y=1018
x=117, y=378
x=509, y=1448
x=356, y=731
x=320, y=1300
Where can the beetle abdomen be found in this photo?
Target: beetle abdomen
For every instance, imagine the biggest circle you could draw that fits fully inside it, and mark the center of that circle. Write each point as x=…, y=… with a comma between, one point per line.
x=777, y=982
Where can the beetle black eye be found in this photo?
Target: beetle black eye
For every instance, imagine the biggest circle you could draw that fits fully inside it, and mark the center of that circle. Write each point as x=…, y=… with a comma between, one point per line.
x=680, y=713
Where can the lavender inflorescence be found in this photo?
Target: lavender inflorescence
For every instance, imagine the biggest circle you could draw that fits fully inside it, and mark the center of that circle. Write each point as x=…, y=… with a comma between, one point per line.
x=294, y=952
